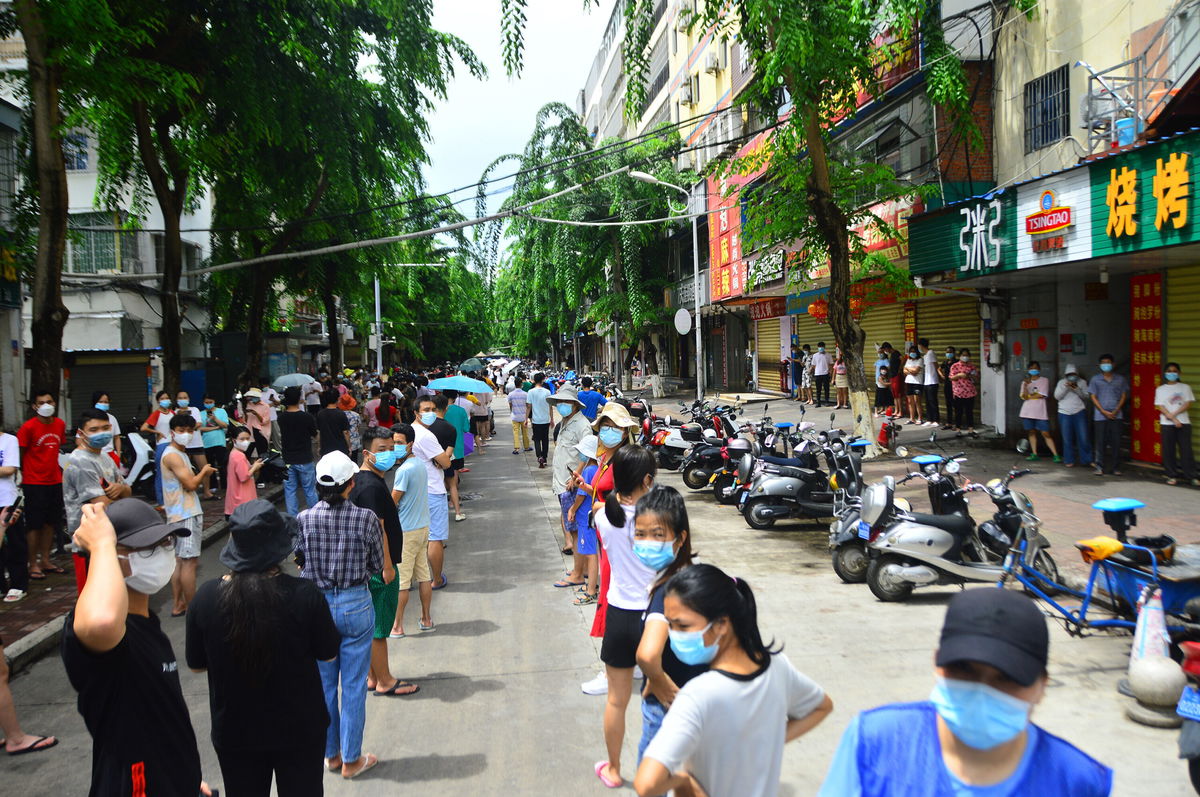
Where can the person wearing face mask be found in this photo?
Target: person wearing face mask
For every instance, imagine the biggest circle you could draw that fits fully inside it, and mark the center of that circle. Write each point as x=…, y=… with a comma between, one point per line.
x=627, y=596
x=182, y=505
x=159, y=424
x=821, y=365
x=727, y=727
x=933, y=416
x=1035, y=416
x=1109, y=391
x=370, y=492
x=214, y=421
x=949, y=358
x=974, y=735
x=1172, y=399
x=580, y=514
x=458, y=419
x=539, y=414
x=90, y=476
x=1073, y=399
x=40, y=438
x=195, y=446
x=255, y=414
x=914, y=381
x=240, y=474
x=410, y=493
x=436, y=456
x=963, y=382
x=573, y=427
x=100, y=400
x=662, y=541
x=121, y=663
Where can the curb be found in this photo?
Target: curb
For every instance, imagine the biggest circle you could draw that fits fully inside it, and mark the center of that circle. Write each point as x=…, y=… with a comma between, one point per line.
x=31, y=647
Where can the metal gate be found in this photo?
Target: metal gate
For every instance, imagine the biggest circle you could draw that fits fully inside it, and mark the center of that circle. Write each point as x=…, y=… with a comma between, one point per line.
x=1182, y=344
x=949, y=321
x=125, y=384
x=882, y=323
x=767, y=354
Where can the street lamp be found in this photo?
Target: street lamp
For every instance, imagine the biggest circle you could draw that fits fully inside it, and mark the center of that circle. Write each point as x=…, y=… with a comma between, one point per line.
x=649, y=178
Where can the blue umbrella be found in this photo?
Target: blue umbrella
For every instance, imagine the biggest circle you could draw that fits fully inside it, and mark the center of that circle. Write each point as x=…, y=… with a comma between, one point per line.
x=463, y=384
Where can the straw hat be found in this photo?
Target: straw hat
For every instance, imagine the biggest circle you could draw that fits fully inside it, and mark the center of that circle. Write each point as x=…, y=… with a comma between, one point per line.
x=617, y=414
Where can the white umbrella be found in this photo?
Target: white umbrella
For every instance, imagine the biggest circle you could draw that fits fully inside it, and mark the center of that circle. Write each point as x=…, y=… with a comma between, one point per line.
x=291, y=380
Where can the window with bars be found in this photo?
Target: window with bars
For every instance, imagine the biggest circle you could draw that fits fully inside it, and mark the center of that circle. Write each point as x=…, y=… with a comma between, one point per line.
x=96, y=244
x=75, y=151
x=191, y=260
x=1047, y=109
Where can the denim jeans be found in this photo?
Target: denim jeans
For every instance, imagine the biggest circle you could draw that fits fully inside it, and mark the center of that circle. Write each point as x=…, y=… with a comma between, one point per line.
x=1076, y=448
x=652, y=717
x=354, y=617
x=300, y=477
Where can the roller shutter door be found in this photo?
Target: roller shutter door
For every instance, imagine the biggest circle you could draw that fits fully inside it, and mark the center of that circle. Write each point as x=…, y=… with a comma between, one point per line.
x=126, y=387
x=1182, y=344
x=881, y=323
x=949, y=321
x=806, y=330
x=768, y=354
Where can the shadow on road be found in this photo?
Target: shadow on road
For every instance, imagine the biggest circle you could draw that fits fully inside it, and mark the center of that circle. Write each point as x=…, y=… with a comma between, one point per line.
x=483, y=587
x=464, y=628
x=453, y=687
x=431, y=767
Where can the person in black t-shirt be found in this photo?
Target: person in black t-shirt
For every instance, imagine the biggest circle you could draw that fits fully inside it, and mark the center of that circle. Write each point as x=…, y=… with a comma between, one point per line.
x=121, y=663
x=333, y=424
x=259, y=633
x=370, y=492
x=297, y=429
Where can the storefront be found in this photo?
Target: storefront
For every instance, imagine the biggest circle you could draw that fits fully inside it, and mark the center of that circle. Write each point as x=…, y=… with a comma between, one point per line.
x=1101, y=258
x=772, y=344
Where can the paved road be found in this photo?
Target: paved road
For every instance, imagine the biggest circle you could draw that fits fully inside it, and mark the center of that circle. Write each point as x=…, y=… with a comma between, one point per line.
x=500, y=711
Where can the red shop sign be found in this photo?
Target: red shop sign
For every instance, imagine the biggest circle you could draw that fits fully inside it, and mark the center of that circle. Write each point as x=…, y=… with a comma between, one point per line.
x=1145, y=348
x=770, y=308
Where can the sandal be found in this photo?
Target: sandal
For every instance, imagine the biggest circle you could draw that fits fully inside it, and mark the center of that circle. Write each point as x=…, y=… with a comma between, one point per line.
x=608, y=782
x=584, y=600
x=369, y=760
x=39, y=744
x=565, y=583
x=37, y=575
x=55, y=569
x=412, y=689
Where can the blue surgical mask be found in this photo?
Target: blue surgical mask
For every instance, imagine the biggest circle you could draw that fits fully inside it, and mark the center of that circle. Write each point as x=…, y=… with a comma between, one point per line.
x=384, y=460
x=654, y=554
x=99, y=439
x=979, y=715
x=401, y=451
x=427, y=418
x=820, y=348
x=1172, y=376
x=1106, y=367
x=102, y=406
x=1034, y=372
x=183, y=404
x=564, y=409
x=689, y=647
x=611, y=436
x=208, y=405
x=165, y=404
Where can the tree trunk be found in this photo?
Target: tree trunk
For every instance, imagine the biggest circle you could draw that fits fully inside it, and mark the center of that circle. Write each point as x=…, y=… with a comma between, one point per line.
x=651, y=355
x=834, y=227
x=170, y=336
x=331, y=318
x=256, y=323
x=49, y=312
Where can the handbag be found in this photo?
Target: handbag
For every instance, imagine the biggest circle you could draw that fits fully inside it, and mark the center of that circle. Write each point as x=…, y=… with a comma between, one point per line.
x=468, y=444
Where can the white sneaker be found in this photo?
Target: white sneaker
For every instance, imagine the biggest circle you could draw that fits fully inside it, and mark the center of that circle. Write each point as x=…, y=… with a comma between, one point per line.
x=14, y=595
x=596, y=686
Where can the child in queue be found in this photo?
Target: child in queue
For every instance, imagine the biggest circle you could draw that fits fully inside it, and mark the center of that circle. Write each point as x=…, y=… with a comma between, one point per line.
x=628, y=593
x=580, y=514
x=662, y=540
x=726, y=729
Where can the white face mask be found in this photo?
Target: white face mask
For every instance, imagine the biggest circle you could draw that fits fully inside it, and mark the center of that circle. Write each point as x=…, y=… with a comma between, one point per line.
x=149, y=574
x=241, y=445
x=45, y=410
x=182, y=438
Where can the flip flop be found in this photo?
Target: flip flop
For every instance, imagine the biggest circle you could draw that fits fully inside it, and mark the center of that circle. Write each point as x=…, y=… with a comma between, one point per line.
x=369, y=761
x=37, y=746
x=423, y=627
x=58, y=571
x=565, y=583
x=179, y=614
x=37, y=575
x=396, y=636
x=608, y=782
x=394, y=691
x=333, y=767
x=443, y=584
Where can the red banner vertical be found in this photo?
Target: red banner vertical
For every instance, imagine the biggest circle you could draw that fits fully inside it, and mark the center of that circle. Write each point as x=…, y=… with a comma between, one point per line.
x=1145, y=328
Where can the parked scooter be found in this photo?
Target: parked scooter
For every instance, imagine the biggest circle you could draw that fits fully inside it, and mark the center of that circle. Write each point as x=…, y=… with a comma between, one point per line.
x=921, y=549
x=141, y=468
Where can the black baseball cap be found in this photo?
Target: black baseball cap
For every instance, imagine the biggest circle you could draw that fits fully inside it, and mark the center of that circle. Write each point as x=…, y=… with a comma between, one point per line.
x=139, y=525
x=999, y=627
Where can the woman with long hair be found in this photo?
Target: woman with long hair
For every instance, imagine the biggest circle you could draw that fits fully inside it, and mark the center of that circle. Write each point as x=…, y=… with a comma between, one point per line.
x=726, y=729
x=259, y=633
x=385, y=413
x=628, y=595
x=662, y=540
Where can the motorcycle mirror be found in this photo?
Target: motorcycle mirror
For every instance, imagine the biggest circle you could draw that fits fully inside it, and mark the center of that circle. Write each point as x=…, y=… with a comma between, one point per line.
x=902, y=452
x=1023, y=447
x=832, y=416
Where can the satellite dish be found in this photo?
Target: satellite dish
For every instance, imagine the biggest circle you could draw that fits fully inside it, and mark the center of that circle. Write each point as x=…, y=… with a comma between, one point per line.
x=683, y=321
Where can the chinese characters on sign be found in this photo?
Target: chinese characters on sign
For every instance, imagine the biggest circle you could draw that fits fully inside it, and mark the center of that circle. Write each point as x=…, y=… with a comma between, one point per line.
x=1146, y=329
x=1122, y=202
x=895, y=214
x=10, y=286
x=1171, y=188
x=977, y=239
x=770, y=308
x=727, y=269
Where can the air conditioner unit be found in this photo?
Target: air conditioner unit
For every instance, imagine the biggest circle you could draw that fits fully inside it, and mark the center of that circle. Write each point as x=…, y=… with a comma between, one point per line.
x=685, y=93
x=1098, y=108
x=685, y=161
x=683, y=17
x=712, y=63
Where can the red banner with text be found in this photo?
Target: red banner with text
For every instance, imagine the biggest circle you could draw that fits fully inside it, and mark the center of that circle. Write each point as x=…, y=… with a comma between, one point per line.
x=1146, y=326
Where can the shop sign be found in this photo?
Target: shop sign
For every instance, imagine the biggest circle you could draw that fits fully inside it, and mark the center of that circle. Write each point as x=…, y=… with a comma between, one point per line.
x=1146, y=328
x=1142, y=199
x=975, y=238
x=767, y=268
x=727, y=268
x=10, y=284
x=1058, y=224
x=1051, y=217
x=894, y=212
x=769, y=308
x=910, y=322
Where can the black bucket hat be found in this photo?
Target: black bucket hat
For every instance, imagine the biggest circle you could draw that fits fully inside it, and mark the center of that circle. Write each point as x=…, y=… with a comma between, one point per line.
x=260, y=537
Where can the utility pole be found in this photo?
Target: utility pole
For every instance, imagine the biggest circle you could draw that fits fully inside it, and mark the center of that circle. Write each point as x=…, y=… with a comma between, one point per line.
x=378, y=331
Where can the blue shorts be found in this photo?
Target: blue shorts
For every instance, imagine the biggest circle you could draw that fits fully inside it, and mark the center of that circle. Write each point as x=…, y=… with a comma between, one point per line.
x=439, y=517
x=1035, y=425
x=565, y=501
x=586, y=541
x=652, y=718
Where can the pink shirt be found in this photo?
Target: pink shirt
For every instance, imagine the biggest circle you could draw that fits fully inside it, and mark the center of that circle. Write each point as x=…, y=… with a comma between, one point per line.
x=1035, y=409
x=241, y=484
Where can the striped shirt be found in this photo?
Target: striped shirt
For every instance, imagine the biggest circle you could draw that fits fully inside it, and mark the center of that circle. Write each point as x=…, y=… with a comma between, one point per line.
x=341, y=546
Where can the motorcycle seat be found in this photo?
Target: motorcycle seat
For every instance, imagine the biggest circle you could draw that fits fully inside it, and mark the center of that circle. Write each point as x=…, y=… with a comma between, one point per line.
x=804, y=474
x=785, y=461
x=958, y=525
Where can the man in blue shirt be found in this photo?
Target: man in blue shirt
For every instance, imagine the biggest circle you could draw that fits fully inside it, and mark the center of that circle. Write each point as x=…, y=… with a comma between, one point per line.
x=592, y=400
x=973, y=736
x=539, y=411
x=1109, y=392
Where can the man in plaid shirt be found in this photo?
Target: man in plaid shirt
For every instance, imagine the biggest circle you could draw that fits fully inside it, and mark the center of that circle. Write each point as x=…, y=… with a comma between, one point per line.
x=341, y=547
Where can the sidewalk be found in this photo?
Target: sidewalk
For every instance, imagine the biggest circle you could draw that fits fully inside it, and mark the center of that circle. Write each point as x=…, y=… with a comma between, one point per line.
x=30, y=627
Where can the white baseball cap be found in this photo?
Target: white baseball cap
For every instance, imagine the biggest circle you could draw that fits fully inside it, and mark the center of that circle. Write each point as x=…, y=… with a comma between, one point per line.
x=335, y=469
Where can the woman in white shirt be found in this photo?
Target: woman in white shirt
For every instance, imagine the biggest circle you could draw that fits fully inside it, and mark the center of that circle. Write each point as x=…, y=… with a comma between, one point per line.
x=725, y=732
x=628, y=596
x=914, y=385
x=100, y=402
x=1172, y=399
